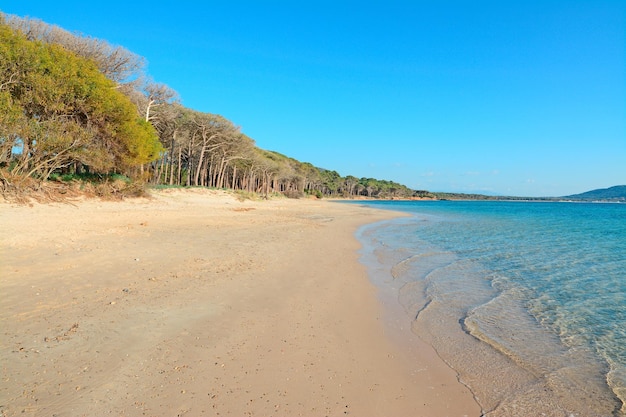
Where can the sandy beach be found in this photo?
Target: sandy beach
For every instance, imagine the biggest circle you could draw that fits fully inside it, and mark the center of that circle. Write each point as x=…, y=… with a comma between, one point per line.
x=193, y=303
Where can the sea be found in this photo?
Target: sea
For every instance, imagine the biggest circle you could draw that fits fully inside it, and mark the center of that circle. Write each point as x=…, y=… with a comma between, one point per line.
x=525, y=301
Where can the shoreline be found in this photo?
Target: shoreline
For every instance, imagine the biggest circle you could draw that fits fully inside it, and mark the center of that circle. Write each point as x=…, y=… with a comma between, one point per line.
x=506, y=379
x=194, y=303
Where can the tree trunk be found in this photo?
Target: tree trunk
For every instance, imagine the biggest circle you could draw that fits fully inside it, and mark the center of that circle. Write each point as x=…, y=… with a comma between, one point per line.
x=199, y=168
x=179, y=179
x=220, y=173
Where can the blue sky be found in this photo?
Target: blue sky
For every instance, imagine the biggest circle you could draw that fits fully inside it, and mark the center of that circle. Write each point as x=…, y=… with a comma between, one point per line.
x=499, y=97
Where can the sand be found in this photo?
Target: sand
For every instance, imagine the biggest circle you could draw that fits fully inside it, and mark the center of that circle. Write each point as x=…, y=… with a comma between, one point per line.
x=192, y=303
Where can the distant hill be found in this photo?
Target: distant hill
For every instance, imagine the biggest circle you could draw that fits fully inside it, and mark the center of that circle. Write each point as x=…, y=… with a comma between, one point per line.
x=616, y=193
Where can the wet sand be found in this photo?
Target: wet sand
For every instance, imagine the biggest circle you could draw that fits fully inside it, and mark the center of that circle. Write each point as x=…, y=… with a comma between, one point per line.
x=194, y=303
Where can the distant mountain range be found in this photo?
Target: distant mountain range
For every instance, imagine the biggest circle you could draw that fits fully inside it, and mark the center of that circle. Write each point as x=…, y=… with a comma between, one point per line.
x=616, y=193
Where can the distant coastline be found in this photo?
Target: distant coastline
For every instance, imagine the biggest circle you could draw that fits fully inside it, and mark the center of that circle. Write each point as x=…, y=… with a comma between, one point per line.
x=615, y=194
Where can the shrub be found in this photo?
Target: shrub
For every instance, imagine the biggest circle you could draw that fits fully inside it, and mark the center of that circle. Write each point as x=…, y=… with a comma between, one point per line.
x=293, y=194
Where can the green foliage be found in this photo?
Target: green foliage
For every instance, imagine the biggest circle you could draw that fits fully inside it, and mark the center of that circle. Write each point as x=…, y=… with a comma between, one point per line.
x=62, y=118
x=89, y=177
x=57, y=109
x=615, y=193
x=140, y=140
x=315, y=193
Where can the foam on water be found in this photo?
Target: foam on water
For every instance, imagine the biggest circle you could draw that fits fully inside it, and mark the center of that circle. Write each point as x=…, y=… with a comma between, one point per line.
x=526, y=301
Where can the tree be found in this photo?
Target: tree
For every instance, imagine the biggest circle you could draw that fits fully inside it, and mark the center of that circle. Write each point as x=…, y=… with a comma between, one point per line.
x=370, y=185
x=72, y=100
x=149, y=97
x=350, y=183
x=115, y=62
x=330, y=182
x=61, y=110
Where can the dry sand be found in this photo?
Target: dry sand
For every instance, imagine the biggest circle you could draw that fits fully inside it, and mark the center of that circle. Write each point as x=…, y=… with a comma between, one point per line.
x=193, y=303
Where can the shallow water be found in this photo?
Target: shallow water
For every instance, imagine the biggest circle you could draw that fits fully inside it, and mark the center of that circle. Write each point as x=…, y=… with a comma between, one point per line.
x=525, y=300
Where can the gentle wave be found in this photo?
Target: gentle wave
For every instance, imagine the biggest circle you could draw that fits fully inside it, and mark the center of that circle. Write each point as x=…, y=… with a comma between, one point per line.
x=525, y=301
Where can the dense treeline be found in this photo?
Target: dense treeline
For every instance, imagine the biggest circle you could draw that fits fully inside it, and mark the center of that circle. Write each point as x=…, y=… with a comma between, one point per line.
x=74, y=105
x=58, y=110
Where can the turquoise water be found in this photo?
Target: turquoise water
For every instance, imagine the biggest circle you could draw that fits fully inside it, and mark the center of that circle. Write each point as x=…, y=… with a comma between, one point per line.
x=525, y=300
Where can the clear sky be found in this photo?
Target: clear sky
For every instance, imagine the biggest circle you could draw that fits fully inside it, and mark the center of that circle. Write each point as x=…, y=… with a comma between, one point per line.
x=498, y=97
